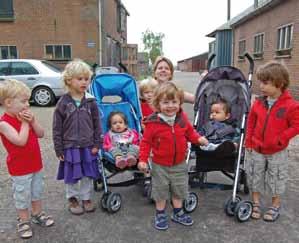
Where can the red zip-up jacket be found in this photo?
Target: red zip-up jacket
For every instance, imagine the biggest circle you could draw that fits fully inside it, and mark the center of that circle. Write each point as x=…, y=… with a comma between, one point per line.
x=270, y=130
x=168, y=143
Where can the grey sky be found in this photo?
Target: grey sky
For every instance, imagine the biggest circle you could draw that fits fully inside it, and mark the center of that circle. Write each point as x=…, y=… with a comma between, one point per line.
x=184, y=22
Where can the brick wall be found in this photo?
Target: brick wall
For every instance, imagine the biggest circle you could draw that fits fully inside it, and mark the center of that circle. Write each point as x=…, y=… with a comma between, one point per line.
x=40, y=22
x=268, y=22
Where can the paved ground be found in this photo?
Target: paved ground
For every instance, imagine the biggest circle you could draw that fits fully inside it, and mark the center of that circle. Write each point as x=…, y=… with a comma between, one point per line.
x=133, y=223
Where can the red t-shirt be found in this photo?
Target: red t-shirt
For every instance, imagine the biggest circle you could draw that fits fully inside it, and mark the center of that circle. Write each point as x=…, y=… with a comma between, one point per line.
x=146, y=109
x=22, y=160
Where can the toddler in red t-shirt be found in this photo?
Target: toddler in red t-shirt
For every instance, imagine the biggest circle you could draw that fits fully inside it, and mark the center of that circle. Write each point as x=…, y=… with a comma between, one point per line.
x=19, y=132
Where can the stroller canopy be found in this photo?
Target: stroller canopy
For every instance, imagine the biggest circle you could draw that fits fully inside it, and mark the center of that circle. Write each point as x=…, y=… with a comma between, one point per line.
x=223, y=82
x=121, y=85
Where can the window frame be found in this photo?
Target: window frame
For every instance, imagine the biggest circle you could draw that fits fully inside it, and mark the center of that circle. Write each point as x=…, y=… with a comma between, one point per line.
x=7, y=11
x=9, y=52
x=241, y=55
x=258, y=52
x=54, y=56
x=284, y=39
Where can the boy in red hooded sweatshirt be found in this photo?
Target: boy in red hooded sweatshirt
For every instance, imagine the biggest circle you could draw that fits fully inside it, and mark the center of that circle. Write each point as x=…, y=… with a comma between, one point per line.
x=166, y=134
x=273, y=120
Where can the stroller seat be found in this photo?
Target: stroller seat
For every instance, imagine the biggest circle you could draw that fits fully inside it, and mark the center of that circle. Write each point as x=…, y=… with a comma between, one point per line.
x=122, y=90
x=106, y=108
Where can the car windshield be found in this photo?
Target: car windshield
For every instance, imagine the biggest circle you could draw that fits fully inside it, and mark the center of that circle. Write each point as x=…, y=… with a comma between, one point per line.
x=52, y=66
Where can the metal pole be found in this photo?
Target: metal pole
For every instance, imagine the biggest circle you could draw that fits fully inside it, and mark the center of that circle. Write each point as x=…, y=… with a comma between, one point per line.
x=228, y=10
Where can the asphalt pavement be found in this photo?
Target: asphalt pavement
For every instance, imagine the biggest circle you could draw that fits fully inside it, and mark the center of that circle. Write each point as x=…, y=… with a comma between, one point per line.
x=133, y=223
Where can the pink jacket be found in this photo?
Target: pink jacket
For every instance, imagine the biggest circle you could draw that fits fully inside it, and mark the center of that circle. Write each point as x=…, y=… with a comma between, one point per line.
x=112, y=138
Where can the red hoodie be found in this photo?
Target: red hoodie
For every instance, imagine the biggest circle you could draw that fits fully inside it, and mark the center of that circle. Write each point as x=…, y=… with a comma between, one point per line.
x=168, y=143
x=270, y=130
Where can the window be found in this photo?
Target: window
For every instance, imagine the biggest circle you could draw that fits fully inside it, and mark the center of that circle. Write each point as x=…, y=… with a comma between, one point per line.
x=258, y=48
x=4, y=68
x=22, y=68
x=242, y=49
x=6, y=10
x=284, y=40
x=58, y=52
x=8, y=52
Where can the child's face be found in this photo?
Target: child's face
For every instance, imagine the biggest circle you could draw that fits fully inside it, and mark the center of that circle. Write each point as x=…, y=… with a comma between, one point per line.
x=218, y=113
x=16, y=105
x=118, y=124
x=162, y=73
x=169, y=107
x=268, y=89
x=78, y=85
x=148, y=95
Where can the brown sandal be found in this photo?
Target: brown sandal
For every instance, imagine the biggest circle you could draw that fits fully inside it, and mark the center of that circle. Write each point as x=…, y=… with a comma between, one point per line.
x=256, y=211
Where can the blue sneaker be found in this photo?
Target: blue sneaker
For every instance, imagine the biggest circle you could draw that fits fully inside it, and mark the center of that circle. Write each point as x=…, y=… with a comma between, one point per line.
x=161, y=221
x=182, y=218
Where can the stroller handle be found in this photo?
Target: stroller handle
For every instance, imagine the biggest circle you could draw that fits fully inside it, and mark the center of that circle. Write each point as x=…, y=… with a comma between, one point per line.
x=251, y=62
x=210, y=59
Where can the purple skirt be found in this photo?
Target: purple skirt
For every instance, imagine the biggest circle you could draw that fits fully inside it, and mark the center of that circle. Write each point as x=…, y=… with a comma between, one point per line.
x=78, y=163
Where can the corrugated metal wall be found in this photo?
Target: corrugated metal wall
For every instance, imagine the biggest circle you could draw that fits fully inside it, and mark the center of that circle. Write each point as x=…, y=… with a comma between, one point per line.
x=223, y=48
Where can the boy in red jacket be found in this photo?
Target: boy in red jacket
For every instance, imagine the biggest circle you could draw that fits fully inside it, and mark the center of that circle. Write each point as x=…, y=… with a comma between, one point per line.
x=273, y=120
x=166, y=135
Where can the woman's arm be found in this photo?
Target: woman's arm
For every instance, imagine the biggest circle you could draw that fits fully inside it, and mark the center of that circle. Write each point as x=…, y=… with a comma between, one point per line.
x=189, y=98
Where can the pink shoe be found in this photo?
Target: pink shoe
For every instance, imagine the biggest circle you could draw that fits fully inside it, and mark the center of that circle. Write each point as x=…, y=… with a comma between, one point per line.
x=121, y=163
x=131, y=160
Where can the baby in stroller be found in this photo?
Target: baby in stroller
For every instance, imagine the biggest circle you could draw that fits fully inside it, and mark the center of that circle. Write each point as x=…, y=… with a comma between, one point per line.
x=120, y=141
x=220, y=130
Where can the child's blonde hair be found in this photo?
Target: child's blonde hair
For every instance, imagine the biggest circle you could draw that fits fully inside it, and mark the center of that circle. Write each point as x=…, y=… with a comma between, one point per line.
x=147, y=85
x=275, y=72
x=169, y=91
x=12, y=88
x=74, y=69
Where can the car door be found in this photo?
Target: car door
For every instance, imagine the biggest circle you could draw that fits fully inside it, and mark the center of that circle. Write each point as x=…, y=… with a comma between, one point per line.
x=25, y=72
x=4, y=71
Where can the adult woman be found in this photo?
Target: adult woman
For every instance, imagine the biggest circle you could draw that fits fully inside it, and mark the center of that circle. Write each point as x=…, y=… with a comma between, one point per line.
x=163, y=72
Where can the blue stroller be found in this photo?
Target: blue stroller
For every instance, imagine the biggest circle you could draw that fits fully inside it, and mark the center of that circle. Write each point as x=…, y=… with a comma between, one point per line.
x=120, y=94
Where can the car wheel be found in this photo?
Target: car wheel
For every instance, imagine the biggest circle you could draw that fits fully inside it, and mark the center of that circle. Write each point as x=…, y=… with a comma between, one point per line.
x=43, y=96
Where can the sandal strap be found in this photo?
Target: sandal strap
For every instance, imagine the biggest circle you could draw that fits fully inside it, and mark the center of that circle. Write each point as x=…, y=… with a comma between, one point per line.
x=42, y=219
x=23, y=226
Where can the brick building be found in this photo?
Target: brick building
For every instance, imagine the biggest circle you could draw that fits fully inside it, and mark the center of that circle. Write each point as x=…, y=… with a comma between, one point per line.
x=194, y=64
x=269, y=32
x=60, y=30
x=129, y=58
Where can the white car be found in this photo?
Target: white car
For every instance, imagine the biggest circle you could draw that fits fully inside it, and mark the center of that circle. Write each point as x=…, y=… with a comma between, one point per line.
x=42, y=77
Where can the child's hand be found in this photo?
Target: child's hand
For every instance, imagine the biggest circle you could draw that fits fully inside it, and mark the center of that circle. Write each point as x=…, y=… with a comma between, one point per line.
x=27, y=115
x=203, y=141
x=61, y=157
x=142, y=166
x=94, y=150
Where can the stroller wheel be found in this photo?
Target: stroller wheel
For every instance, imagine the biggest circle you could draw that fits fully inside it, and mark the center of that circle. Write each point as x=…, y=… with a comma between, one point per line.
x=113, y=202
x=190, y=204
x=243, y=211
x=104, y=200
x=97, y=185
x=229, y=206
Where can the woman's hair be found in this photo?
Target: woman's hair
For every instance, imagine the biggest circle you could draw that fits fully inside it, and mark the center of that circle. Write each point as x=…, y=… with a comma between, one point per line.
x=12, y=88
x=119, y=113
x=168, y=91
x=74, y=69
x=147, y=84
x=275, y=72
x=225, y=105
x=163, y=59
